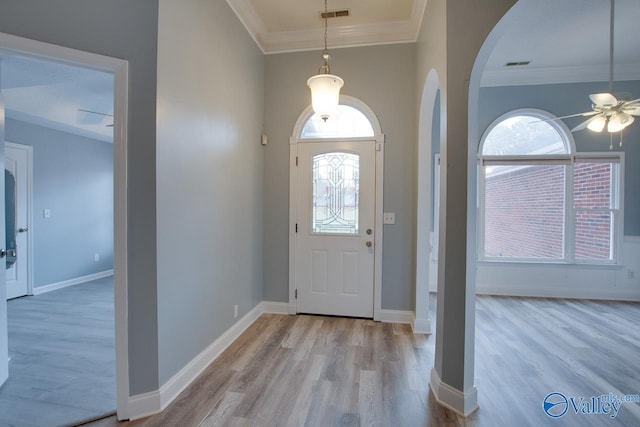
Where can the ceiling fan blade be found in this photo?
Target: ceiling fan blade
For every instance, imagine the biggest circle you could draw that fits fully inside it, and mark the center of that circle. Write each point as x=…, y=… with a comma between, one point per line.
x=603, y=99
x=584, y=124
x=634, y=110
x=585, y=114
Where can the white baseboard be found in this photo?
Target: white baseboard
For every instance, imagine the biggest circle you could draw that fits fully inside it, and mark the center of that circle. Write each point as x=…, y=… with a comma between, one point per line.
x=396, y=316
x=462, y=403
x=154, y=402
x=421, y=326
x=275, y=307
x=65, y=283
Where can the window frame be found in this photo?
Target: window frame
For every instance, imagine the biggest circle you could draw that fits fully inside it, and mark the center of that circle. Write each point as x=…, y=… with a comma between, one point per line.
x=569, y=160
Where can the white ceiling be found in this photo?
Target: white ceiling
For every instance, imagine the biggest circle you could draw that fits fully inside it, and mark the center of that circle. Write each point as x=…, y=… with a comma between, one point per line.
x=565, y=40
x=290, y=25
x=51, y=95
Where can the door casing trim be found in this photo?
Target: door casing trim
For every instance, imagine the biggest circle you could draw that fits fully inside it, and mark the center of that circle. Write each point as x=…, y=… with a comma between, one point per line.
x=120, y=70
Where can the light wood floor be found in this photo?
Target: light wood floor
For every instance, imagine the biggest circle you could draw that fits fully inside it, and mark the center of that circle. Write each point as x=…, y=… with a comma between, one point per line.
x=62, y=350
x=325, y=371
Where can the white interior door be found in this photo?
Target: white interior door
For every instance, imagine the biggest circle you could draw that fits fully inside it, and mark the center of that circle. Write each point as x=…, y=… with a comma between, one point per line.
x=4, y=346
x=335, y=228
x=16, y=165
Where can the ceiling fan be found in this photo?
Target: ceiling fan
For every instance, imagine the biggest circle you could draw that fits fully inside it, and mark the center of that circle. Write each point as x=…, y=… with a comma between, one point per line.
x=98, y=113
x=608, y=111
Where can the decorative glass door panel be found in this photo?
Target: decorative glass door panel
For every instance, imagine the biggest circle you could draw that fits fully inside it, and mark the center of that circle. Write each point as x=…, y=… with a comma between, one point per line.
x=336, y=185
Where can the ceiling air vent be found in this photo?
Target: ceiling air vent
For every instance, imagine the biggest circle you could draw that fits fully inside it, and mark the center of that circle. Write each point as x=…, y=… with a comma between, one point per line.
x=335, y=14
x=517, y=63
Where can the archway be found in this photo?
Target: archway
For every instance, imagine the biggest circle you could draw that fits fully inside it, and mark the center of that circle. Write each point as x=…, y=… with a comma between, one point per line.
x=429, y=110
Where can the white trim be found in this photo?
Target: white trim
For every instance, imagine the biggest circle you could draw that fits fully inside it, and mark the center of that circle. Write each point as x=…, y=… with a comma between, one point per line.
x=379, y=139
x=275, y=307
x=29, y=150
x=156, y=401
x=425, y=208
x=377, y=249
x=271, y=42
x=556, y=75
x=397, y=316
x=550, y=291
x=120, y=69
x=462, y=403
x=39, y=290
x=421, y=326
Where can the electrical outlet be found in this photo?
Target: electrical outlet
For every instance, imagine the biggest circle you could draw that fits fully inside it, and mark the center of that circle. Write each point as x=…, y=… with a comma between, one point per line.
x=46, y=213
x=389, y=218
x=96, y=257
x=235, y=311
x=631, y=274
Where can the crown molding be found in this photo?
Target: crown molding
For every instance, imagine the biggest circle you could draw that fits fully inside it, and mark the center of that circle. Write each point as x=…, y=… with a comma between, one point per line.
x=247, y=14
x=539, y=76
x=347, y=36
x=405, y=31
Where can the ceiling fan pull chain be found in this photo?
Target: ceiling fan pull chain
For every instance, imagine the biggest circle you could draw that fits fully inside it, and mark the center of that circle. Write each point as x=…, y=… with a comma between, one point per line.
x=611, y=141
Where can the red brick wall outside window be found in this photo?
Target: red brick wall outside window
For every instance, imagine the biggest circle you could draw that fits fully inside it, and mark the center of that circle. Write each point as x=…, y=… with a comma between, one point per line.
x=525, y=202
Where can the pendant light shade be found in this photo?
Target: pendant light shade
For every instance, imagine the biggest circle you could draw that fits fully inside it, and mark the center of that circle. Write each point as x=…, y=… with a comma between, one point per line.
x=325, y=87
x=619, y=121
x=325, y=93
x=597, y=124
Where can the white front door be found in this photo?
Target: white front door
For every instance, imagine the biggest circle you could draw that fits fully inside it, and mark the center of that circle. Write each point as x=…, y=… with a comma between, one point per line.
x=334, y=267
x=16, y=161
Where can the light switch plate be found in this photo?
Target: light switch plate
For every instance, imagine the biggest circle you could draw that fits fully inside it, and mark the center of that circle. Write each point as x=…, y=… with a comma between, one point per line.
x=389, y=218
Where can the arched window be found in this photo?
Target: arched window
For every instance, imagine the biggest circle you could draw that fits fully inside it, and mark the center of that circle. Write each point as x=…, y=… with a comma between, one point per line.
x=346, y=122
x=542, y=201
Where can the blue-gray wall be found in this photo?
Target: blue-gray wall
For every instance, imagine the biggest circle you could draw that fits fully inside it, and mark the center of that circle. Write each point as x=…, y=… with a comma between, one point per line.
x=209, y=177
x=129, y=30
x=565, y=99
x=73, y=177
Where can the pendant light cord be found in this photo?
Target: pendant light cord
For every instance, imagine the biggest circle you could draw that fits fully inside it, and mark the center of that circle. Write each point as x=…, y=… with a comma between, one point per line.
x=610, y=47
x=325, y=69
x=326, y=16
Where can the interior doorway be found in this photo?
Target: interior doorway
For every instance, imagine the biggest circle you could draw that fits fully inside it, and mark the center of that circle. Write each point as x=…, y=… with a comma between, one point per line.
x=18, y=197
x=118, y=70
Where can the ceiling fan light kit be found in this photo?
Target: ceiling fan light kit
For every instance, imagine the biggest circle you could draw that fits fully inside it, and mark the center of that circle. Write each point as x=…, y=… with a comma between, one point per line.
x=325, y=87
x=608, y=112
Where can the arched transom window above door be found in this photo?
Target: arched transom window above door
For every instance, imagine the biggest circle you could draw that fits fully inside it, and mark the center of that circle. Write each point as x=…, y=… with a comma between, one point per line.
x=346, y=122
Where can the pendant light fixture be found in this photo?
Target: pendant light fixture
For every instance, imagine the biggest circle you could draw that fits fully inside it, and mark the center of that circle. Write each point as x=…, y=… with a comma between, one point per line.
x=325, y=87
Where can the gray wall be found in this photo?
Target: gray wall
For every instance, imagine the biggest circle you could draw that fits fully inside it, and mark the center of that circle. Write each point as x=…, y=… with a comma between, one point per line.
x=384, y=78
x=73, y=177
x=123, y=29
x=565, y=99
x=209, y=172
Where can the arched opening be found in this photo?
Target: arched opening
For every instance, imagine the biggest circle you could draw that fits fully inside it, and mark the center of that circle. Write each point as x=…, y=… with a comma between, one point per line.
x=428, y=192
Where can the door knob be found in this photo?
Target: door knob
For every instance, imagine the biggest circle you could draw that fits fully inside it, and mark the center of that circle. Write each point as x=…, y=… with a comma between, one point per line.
x=369, y=243
x=369, y=231
x=2, y=253
x=22, y=229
